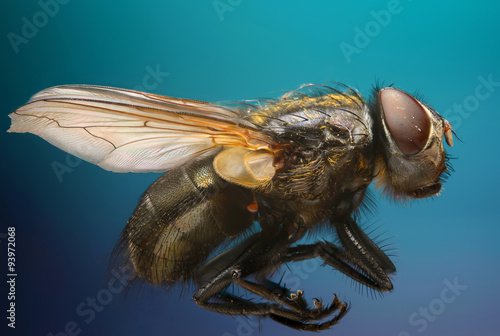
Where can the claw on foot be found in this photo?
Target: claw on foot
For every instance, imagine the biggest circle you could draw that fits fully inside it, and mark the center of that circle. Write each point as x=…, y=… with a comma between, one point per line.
x=295, y=297
x=318, y=304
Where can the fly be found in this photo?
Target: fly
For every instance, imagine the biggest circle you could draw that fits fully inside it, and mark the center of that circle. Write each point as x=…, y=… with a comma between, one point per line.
x=290, y=165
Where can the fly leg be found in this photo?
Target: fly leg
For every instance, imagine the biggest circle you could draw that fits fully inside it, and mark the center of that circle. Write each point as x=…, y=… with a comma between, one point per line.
x=360, y=259
x=272, y=291
x=286, y=317
x=254, y=255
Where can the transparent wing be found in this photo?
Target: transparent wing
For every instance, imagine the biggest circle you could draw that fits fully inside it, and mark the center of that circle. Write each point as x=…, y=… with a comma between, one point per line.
x=129, y=131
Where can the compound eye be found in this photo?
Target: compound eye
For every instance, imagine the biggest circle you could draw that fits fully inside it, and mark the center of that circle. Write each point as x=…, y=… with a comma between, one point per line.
x=406, y=119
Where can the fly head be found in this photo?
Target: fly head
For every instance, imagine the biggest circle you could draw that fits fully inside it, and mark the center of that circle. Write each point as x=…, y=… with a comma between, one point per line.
x=409, y=144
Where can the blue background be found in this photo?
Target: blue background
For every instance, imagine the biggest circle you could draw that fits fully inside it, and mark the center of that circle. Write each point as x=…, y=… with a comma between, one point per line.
x=66, y=230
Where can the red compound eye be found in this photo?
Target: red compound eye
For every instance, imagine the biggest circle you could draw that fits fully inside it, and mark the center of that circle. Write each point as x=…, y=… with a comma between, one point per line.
x=406, y=119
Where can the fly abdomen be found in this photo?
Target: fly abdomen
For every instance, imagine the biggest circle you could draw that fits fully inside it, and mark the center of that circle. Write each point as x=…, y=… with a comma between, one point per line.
x=182, y=217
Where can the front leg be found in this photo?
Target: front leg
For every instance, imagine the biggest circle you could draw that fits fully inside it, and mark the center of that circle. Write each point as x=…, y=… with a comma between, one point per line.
x=360, y=259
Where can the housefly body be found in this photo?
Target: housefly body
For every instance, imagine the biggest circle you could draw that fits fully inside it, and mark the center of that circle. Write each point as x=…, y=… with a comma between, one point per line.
x=245, y=182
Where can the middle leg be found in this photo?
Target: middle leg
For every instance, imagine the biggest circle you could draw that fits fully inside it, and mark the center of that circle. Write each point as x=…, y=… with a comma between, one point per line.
x=254, y=255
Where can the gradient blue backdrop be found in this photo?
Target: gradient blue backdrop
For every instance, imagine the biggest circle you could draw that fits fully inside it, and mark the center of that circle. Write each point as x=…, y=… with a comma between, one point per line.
x=66, y=230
